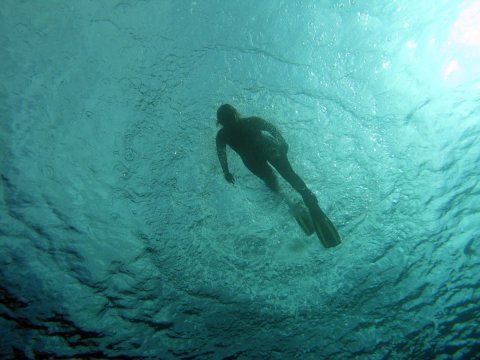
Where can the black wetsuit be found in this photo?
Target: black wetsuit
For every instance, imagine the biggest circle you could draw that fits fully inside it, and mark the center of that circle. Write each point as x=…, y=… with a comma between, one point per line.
x=260, y=145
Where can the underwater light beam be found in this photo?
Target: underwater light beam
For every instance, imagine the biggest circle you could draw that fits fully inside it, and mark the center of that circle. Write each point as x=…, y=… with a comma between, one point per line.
x=463, y=46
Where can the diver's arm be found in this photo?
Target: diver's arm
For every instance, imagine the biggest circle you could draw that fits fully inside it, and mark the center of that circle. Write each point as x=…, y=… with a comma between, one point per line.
x=270, y=128
x=222, y=157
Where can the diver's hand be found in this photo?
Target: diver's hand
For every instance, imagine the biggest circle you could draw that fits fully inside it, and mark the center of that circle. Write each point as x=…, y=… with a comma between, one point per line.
x=284, y=147
x=229, y=177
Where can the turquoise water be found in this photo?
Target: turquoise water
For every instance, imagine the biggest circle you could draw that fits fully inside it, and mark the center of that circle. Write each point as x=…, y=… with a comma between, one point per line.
x=120, y=237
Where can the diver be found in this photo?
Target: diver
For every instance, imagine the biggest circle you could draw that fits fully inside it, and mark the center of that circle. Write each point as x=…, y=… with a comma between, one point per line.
x=261, y=146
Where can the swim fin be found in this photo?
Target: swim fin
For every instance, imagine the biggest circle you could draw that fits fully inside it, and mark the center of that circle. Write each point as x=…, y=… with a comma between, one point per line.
x=301, y=215
x=326, y=231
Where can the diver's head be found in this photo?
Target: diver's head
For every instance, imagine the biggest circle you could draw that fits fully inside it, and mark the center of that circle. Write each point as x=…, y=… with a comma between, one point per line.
x=227, y=115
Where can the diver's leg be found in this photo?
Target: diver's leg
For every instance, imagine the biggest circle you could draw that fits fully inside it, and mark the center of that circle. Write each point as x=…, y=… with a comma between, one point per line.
x=284, y=168
x=264, y=172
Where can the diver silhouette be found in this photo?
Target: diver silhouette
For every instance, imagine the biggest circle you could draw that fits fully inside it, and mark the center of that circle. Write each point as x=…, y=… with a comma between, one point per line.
x=261, y=146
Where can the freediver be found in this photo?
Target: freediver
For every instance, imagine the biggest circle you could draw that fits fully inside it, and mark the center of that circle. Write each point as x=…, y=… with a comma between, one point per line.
x=261, y=146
